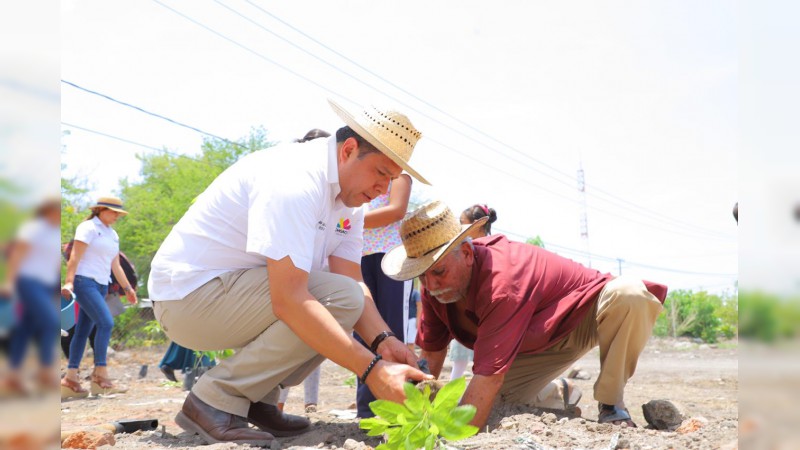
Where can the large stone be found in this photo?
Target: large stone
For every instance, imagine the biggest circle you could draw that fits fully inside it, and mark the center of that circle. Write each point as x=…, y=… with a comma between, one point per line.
x=88, y=439
x=692, y=425
x=664, y=414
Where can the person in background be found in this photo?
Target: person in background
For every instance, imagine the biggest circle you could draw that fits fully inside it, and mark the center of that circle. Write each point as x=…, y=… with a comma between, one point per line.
x=311, y=383
x=94, y=252
x=381, y=224
x=33, y=272
x=413, y=316
x=183, y=359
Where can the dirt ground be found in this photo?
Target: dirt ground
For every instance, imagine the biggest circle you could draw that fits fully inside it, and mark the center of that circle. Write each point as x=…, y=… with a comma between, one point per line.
x=703, y=378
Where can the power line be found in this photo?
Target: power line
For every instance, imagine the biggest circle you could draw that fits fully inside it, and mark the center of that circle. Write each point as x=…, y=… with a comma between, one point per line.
x=325, y=88
x=549, y=245
x=100, y=133
x=175, y=122
x=469, y=126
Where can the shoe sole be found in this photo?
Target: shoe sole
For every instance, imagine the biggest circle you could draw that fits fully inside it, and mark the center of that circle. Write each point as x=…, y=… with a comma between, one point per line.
x=281, y=433
x=96, y=389
x=189, y=425
x=67, y=393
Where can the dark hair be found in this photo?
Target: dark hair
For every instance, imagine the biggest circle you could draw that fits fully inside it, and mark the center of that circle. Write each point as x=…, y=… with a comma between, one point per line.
x=95, y=212
x=313, y=134
x=477, y=211
x=364, y=147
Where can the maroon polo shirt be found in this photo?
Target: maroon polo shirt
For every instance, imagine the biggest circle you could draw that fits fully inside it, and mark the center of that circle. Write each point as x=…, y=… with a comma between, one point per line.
x=522, y=298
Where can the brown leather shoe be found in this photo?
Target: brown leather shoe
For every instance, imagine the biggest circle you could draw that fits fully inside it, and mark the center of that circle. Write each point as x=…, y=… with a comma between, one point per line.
x=215, y=426
x=270, y=419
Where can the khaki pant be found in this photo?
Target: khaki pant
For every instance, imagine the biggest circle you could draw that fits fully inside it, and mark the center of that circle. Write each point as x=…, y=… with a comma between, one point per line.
x=234, y=310
x=620, y=322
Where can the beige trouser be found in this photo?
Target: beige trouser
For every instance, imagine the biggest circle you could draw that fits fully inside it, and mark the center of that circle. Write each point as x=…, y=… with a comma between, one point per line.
x=234, y=311
x=620, y=322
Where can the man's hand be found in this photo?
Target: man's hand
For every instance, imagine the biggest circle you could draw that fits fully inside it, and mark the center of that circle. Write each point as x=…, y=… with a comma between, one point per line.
x=386, y=380
x=392, y=349
x=67, y=291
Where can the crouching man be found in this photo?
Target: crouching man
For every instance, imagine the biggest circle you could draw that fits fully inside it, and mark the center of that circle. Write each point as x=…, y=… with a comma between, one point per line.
x=527, y=313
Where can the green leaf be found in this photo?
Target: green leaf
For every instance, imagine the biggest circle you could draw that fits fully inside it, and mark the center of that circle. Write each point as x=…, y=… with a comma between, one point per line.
x=455, y=433
x=430, y=441
x=450, y=394
x=375, y=426
x=401, y=419
x=388, y=410
x=433, y=430
x=415, y=402
x=463, y=414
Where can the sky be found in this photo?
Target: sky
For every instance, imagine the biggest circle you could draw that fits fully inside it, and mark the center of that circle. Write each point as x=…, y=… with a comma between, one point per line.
x=511, y=98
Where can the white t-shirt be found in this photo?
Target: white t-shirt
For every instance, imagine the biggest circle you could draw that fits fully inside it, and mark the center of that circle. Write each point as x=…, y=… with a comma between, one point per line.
x=102, y=247
x=272, y=203
x=43, y=260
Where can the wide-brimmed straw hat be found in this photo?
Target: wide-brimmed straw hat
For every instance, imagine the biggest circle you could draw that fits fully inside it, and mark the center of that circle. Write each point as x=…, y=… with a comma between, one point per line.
x=428, y=234
x=389, y=131
x=112, y=203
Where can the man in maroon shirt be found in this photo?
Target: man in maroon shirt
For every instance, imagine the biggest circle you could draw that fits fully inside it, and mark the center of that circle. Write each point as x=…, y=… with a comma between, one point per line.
x=527, y=313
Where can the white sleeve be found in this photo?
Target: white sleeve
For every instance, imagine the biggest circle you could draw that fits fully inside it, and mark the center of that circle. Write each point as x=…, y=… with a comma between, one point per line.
x=29, y=232
x=85, y=232
x=281, y=220
x=350, y=248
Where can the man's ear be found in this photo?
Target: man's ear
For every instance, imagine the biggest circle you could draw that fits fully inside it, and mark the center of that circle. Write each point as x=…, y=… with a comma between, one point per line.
x=348, y=148
x=468, y=251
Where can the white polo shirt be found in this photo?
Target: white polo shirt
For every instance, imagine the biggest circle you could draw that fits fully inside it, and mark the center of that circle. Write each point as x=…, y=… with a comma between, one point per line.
x=43, y=260
x=272, y=203
x=102, y=246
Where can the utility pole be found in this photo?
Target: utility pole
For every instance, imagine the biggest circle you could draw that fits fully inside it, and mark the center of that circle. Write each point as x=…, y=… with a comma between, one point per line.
x=584, y=224
x=619, y=266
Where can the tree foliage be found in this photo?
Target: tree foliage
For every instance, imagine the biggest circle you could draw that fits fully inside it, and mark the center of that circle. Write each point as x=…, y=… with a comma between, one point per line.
x=168, y=186
x=698, y=314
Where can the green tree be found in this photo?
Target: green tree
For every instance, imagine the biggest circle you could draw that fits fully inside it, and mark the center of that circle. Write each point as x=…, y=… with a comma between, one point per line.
x=537, y=241
x=168, y=186
x=698, y=314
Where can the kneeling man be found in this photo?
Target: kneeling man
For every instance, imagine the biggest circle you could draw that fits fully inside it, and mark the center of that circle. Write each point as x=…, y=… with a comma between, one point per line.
x=526, y=312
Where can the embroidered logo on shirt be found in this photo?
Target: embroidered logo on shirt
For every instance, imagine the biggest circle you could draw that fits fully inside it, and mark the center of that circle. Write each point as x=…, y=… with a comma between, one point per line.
x=343, y=226
x=321, y=225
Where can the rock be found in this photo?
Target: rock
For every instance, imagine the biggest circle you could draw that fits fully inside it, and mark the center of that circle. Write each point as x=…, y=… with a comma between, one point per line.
x=88, y=439
x=623, y=443
x=691, y=425
x=549, y=418
x=435, y=385
x=352, y=444
x=663, y=414
x=508, y=423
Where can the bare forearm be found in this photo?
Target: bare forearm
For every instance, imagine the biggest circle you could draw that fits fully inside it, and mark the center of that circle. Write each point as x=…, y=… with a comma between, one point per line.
x=122, y=279
x=435, y=360
x=481, y=393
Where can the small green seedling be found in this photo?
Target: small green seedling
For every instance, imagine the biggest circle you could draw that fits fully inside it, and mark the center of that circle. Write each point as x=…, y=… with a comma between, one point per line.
x=418, y=423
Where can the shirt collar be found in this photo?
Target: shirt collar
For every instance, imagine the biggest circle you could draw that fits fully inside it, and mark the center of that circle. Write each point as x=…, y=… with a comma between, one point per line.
x=99, y=222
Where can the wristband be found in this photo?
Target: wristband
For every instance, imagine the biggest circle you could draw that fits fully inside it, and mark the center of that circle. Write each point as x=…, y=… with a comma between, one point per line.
x=369, y=368
x=380, y=338
x=128, y=289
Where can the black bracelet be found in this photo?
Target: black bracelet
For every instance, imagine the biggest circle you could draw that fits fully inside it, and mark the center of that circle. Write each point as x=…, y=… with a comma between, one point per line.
x=380, y=338
x=369, y=368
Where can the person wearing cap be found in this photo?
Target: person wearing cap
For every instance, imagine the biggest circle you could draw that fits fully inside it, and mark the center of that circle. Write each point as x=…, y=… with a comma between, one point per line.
x=527, y=313
x=33, y=273
x=95, y=250
x=267, y=261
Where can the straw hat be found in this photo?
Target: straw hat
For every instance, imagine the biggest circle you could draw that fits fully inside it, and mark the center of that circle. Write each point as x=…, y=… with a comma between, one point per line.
x=389, y=131
x=112, y=203
x=428, y=234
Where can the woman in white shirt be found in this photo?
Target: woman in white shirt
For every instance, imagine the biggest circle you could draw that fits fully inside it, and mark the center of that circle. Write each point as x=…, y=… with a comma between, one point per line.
x=95, y=254
x=33, y=272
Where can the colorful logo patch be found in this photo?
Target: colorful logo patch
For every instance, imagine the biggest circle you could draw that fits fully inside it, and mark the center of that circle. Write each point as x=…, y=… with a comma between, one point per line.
x=344, y=224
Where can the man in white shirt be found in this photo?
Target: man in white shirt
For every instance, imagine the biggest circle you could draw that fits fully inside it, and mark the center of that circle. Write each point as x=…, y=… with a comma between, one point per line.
x=267, y=261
